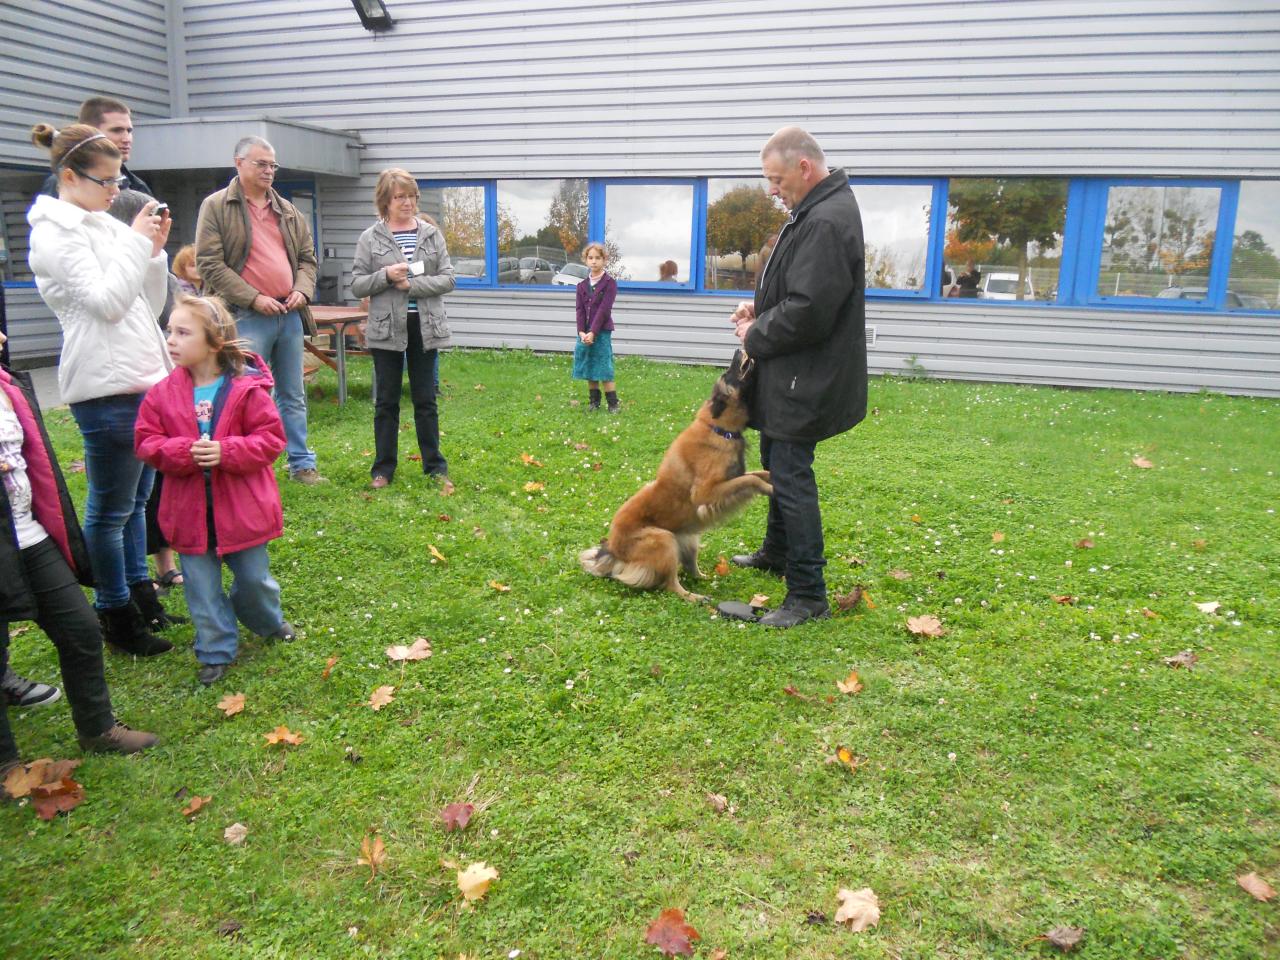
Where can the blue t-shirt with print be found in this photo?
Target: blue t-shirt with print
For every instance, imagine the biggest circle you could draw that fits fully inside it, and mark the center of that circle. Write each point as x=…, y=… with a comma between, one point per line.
x=204, y=405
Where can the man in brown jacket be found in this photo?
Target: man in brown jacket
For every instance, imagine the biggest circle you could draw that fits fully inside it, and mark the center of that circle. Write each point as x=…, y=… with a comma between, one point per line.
x=254, y=249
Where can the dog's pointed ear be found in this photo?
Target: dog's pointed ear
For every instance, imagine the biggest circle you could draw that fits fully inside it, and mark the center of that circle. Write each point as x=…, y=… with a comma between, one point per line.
x=720, y=396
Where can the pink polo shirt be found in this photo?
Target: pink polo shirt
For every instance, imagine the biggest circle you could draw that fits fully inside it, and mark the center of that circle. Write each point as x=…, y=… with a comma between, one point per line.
x=267, y=270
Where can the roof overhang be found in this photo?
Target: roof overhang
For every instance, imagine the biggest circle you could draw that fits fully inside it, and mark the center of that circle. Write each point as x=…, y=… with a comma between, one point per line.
x=208, y=143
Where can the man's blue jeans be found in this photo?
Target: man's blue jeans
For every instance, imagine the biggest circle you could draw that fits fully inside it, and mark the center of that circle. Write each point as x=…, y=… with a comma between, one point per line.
x=115, y=524
x=794, y=529
x=279, y=341
x=254, y=600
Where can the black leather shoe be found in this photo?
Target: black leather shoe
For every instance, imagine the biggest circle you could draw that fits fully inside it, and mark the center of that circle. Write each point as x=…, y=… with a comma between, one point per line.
x=211, y=673
x=795, y=611
x=759, y=561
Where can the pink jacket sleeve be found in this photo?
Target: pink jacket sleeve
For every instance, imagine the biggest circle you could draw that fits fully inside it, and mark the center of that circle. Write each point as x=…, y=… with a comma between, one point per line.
x=155, y=446
x=262, y=440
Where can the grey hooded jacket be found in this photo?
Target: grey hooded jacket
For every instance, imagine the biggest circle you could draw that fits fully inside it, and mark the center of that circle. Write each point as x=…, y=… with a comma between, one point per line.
x=388, y=306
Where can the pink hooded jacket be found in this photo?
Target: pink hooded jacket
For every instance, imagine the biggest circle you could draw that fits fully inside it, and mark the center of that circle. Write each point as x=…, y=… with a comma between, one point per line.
x=246, y=500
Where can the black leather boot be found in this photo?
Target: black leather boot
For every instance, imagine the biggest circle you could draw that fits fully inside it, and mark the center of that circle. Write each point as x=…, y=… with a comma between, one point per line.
x=125, y=628
x=157, y=617
x=593, y=399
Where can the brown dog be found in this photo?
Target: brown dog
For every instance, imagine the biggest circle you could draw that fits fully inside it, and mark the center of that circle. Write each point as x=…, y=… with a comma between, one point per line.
x=701, y=481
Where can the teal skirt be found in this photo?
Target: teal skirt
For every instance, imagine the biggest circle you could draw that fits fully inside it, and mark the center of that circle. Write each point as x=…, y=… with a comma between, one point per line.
x=594, y=362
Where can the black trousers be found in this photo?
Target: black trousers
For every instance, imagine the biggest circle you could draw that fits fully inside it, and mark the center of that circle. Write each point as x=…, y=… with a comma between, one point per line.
x=388, y=371
x=66, y=615
x=794, y=529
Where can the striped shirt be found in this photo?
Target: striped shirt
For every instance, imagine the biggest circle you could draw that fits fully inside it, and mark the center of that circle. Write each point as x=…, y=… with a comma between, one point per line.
x=408, y=241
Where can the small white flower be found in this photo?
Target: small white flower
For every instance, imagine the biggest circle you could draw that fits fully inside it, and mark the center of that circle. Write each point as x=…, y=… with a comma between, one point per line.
x=568, y=684
x=951, y=757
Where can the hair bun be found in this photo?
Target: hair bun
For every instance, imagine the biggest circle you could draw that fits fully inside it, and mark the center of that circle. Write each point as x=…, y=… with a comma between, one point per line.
x=42, y=135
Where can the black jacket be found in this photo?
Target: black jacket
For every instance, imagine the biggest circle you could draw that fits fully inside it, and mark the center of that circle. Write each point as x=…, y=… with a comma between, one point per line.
x=809, y=335
x=16, y=599
x=50, y=187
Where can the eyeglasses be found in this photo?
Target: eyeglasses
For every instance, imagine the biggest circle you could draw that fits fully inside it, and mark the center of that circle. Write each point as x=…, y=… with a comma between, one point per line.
x=118, y=182
x=266, y=165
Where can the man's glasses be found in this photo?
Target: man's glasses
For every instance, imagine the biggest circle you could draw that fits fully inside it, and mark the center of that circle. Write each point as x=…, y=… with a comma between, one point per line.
x=118, y=182
x=266, y=165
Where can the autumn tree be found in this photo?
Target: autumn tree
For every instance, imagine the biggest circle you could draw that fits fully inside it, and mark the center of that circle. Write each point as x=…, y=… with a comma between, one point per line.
x=462, y=220
x=742, y=220
x=568, y=215
x=1012, y=212
x=1252, y=257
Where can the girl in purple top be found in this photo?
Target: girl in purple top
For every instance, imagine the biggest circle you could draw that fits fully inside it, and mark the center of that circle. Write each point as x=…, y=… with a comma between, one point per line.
x=593, y=353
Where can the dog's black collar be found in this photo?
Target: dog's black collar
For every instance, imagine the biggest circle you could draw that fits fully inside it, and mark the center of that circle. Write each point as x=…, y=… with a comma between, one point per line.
x=727, y=434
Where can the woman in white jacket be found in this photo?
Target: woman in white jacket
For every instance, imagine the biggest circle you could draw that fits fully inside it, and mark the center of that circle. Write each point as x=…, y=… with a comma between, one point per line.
x=106, y=282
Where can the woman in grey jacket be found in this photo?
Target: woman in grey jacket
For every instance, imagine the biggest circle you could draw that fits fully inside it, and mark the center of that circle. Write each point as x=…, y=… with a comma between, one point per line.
x=402, y=266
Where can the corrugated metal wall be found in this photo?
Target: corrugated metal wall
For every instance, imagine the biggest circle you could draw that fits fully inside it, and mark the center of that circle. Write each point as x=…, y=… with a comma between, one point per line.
x=494, y=88
x=57, y=53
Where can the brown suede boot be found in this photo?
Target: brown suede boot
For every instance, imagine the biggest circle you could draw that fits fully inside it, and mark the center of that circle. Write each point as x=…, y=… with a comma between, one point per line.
x=118, y=739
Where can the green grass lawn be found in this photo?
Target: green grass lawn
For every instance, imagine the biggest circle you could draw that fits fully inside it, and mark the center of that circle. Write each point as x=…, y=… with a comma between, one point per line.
x=1037, y=766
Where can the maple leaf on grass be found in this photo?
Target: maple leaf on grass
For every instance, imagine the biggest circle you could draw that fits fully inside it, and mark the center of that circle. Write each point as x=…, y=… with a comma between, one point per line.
x=1256, y=887
x=1184, y=660
x=718, y=802
x=791, y=691
x=474, y=881
x=235, y=834
x=51, y=799
x=997, y=537
x=758, y=600
x=925, y=626
x=533, y=486
x=1084, y=544
x=381, y=697
x=851, y=684
x=456, y=816
x=283, y=734
x=859, y=909
x=671, y=935
x=197, y=804
x=372, y=855
x=1066, y=599
x=529, y=460
x=22, y=779
x=420, y=649
x=722, y=567
x=846, y=758
x=231, y=704
x=1142, y=463
x=1149, y=613
x=328, y=667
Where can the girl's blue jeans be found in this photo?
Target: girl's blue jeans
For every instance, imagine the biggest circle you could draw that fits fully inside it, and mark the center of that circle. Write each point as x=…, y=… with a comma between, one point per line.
x=115, y=524
x=254, y=600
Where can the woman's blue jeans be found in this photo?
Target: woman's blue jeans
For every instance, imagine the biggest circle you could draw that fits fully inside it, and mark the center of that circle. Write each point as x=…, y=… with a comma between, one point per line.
x=115, y=523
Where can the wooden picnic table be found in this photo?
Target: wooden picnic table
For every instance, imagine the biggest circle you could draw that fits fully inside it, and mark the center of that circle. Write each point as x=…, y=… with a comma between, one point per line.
x=336, y=319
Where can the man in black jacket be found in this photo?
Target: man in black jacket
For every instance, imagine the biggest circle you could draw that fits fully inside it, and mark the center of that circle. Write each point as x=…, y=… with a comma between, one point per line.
x=114, y=119
x=806, y=331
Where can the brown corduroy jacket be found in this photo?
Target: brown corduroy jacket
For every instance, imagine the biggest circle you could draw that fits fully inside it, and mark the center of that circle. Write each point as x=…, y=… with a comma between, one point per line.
x=223, y=234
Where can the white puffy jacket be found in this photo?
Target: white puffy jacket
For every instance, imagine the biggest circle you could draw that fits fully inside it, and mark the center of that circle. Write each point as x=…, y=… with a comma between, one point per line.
x=99, y=278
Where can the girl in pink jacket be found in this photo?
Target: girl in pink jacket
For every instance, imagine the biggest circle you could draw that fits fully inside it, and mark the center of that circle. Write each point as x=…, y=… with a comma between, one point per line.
x=212, y=429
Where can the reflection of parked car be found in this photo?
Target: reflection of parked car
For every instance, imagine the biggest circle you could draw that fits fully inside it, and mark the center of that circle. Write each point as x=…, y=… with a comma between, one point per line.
x=535, y=270
x=571, y=274
x=508, y=270
x=1004, y=286
x=468, y=267
x=1235, y=301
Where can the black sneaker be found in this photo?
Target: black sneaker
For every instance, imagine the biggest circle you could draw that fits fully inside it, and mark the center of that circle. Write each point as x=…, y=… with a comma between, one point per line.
x=21, y=692
x=211, y=673
x=795, y=611
x=759, y=561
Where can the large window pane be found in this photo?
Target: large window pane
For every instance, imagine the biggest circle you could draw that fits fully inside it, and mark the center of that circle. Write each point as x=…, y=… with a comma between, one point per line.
x=742, y=223
x=645, y=226
x=1255, y=265
x=895, y=229
x=1158, y=242
x=459, y=212
x=1004, y=238
x=542, y=225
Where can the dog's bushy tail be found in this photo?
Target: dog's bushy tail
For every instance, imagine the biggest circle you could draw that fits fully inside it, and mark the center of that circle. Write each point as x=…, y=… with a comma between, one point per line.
x=601, y=562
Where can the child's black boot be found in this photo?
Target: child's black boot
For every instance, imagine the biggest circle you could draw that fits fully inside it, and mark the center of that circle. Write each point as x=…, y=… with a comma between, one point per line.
x=593, y=399
x=612, y=398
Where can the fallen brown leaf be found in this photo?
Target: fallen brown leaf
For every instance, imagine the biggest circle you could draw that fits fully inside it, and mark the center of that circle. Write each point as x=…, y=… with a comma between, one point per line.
x=381, y=697
x=235, y=834
x=373, y=853
x=997, y=537
x=1065, y=939
x=1065, y=599
x=916, y=518
x=283, y=734
x=847, y=601
x=851, y=684
x=51, y=799
x=718, y=802
x=1256, y=887
x=328, y=667
x=859, y=909
x=1149, y=614
x=1186, y=659
x=22, y=779
x=420, y=649
x=197, y=804
x=899, y=574
x=1211, y=606
x=791, y=691
x=926, y=626
x=500, y=587
x=456, y=816
x=231, y=704
x=529, y=460
x=474, y=881
x=581, y=446
x=1084, y=544
x=431, y=547
x=1142, y=463
x=1199, y=544
x=722, y=567
x=758, y=600
x=847, y=758
x=533, y=486
x=671, y=935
